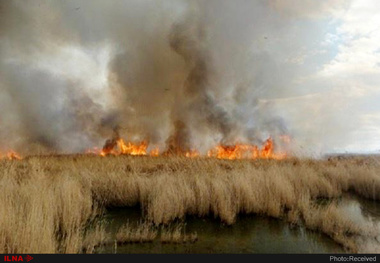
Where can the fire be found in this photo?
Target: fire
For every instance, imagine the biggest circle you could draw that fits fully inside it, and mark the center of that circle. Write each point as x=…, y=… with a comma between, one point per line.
x=155, y=152
x=237, y=151
x=267, y=150
x=132, y=149
x=192, y=154
x=246, y=151
x=10, y=155
x=231, y=152
x=120, y=147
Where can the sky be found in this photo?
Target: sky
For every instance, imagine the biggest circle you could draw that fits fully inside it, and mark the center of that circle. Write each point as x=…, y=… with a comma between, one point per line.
x=341, y=89
x=72, y=70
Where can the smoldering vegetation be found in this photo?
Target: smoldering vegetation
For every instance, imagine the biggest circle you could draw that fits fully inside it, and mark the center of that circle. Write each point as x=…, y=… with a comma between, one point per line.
x=47, y=203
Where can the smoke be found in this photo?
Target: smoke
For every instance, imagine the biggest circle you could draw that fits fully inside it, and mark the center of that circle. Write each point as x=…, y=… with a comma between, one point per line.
x=179, y=74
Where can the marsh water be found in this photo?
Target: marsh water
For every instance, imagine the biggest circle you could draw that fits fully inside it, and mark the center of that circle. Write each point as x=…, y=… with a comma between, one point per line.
x=250, y=233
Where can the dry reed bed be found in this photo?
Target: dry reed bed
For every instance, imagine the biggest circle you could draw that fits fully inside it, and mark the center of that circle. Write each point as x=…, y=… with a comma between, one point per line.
x=46, y=203
x=177, y=234
x=142, y=233
x=146, y=232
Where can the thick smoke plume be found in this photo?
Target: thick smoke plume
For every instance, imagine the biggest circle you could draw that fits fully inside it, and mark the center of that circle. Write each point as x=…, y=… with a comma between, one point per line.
x=179, y=74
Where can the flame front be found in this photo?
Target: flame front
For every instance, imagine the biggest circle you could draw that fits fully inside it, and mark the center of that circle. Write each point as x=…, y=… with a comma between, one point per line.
x=231, y=152
x=132, y=149
x=10, y=155
x=120, y=147
x=246, y=151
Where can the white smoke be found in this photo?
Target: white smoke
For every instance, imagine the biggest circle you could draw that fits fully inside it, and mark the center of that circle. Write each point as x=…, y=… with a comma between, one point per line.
x=196, y=73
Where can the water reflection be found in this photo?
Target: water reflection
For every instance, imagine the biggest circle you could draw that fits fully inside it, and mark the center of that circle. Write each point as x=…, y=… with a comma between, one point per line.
x=359, y=209
x=250, y=234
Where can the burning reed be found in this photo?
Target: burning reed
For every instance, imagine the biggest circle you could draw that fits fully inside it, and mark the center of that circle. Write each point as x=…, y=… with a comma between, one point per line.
x=46, y=203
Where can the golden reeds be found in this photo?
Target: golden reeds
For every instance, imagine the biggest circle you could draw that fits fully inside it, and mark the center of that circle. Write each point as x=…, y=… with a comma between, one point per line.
x=146, y=232
x=46, y=203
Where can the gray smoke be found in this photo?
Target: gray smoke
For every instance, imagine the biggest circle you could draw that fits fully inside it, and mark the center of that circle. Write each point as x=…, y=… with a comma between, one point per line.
x=180, y=74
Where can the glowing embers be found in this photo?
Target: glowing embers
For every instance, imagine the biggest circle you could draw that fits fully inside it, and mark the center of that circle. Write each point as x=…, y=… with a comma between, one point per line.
x=10, y=155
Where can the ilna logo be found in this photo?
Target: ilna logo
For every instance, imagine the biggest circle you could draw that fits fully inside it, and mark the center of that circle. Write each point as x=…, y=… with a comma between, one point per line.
x=27, y=258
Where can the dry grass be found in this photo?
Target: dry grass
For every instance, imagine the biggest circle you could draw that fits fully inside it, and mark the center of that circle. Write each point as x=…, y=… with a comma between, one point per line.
x=144, y=232
x=332, y=221
x=177, y=235
x=46, y=202
x=94, y=238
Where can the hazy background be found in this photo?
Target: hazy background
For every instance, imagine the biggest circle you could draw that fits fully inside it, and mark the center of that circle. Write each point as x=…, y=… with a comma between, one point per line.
x=190, y=74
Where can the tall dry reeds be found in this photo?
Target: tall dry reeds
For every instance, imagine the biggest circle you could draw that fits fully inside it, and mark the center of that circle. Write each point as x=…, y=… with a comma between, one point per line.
x=42, y=212
x=142, y=233
x=46, y=202
x=146, y=232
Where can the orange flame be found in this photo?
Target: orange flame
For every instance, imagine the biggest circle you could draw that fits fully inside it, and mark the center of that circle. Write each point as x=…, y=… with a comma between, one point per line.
x=192, y=154
x=132, y=149
x=246, y=151
x=120, y=147
x=155, y=152
x=10, y=155
x=233, y=152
